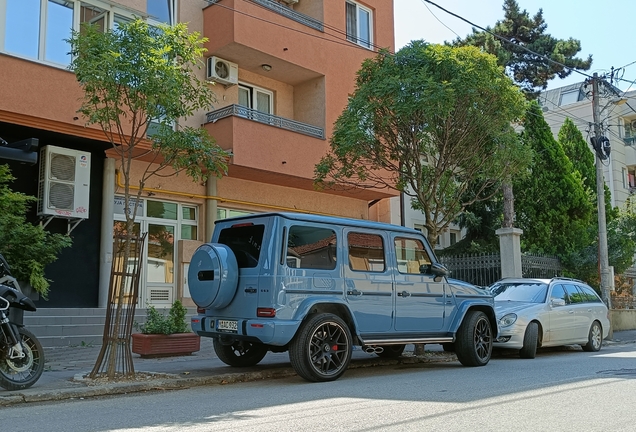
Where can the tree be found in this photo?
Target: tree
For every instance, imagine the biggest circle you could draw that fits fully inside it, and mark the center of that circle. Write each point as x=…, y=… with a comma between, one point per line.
x=530, y=71
x=27, y=248
x=132, y=76
x=553, y=208
x=431, y=121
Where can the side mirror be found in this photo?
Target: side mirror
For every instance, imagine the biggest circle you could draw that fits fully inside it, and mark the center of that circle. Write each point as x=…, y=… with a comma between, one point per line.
x=437, y=269
x=555, y=302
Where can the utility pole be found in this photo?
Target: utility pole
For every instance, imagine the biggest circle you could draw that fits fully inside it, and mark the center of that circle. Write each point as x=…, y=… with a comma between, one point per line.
x=600, y=199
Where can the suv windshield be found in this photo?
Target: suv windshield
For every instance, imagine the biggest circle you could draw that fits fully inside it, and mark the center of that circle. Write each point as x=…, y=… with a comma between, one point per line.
x=532, y=292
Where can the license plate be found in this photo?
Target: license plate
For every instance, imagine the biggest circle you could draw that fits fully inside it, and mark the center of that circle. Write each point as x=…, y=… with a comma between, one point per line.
x=227, y=325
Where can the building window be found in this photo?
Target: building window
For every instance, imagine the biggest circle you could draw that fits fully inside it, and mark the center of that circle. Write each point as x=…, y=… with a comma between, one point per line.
x=161, y=11
x=569, y=97
x=39, y=29
x=228, y=213
x=453, y=238
x=359, y=19
x=256, y=98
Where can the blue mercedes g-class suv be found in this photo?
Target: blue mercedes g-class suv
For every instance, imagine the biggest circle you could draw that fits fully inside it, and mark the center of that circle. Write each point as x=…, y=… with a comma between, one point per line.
x=316, y=286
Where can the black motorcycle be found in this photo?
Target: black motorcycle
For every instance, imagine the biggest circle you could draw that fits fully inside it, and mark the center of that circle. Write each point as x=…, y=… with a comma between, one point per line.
x=21, y=354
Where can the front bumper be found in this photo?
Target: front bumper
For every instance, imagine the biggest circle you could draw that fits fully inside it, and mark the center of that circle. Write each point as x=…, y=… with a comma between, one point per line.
x=510, y=337
x=268, y=331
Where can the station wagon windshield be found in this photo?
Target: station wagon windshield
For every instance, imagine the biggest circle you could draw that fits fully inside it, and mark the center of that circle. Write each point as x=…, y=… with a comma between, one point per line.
x=520, y=292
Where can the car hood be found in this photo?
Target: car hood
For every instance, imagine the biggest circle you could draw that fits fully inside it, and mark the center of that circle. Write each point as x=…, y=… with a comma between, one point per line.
x=505, y=307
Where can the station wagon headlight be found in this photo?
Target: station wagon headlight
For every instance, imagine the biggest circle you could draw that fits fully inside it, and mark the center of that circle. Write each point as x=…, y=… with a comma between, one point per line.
x=508, y=320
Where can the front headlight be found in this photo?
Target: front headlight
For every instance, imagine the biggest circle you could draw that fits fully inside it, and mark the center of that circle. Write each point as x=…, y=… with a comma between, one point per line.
x=507, y=320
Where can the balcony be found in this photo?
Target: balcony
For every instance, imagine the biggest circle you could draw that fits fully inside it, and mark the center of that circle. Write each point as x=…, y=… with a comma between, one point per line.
x=268, y=119
x=629, y=141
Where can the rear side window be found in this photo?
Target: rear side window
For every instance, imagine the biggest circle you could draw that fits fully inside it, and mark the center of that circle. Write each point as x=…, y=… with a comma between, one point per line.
x=311, y=248
x=245, y=240
x=366, y=252
x=590, y=295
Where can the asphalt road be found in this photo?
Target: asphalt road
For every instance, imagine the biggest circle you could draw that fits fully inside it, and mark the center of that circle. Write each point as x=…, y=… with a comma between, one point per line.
x=560, y=390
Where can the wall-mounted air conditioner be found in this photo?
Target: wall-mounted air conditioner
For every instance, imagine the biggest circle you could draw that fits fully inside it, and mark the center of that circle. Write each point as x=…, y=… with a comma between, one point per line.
x=291, y=2
x=222, y=71
x=64, y=185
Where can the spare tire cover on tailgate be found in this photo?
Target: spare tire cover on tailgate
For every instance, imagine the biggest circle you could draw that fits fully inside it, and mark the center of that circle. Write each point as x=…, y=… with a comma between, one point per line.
x=213, y=276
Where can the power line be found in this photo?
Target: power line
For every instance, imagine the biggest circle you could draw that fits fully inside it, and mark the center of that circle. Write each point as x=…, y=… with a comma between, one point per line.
x=440, y=21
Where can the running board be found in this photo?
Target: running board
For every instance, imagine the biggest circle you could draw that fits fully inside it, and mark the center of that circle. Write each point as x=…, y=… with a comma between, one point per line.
x=433, y=340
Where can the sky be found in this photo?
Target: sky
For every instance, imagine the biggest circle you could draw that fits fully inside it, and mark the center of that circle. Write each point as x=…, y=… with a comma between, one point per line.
x=605, y=29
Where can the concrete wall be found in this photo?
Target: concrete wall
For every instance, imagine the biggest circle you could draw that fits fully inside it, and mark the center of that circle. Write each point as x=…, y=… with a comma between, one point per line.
x=623, y=319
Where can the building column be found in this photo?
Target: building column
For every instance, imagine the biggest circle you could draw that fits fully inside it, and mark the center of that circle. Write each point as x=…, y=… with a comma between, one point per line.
x=210, y=208
x=510, y=250
x=106, y=246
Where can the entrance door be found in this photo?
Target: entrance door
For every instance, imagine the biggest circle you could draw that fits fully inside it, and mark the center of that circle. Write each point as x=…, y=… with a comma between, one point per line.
x=159, y=265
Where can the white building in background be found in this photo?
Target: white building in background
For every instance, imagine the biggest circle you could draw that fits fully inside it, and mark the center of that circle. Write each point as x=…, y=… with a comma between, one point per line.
x=618, y=118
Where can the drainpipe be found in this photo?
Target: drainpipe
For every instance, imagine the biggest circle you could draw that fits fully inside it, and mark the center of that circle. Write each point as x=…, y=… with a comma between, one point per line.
x=211, y=207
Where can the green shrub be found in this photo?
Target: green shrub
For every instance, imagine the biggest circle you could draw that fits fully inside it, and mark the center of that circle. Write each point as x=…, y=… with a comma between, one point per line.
x=174, y=322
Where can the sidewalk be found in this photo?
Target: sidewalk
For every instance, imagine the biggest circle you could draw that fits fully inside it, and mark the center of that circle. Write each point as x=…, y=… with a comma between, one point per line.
x=65, y=368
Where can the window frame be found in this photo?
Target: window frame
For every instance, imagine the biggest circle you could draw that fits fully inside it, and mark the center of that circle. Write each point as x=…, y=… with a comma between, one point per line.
x=114, y=13
x=355, y=38
x=253, y=97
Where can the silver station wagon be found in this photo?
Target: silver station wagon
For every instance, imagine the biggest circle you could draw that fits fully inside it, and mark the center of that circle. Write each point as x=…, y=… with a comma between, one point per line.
x=536, y=313
x=315, y=286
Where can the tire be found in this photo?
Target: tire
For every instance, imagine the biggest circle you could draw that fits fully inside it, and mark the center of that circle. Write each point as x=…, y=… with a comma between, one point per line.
x=321, y=349
x=530, y=341
x=22, y=373
x=240, y=353
x=473, y=343
x=391, y=351
x=594, y=338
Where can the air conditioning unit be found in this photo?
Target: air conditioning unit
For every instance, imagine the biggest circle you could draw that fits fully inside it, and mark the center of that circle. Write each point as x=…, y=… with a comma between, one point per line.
x=64, y=183
x=222, y=71
x=291, y=2
x=633, y=125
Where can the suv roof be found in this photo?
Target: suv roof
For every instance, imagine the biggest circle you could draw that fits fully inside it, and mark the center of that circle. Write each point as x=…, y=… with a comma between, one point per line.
x=324, y=219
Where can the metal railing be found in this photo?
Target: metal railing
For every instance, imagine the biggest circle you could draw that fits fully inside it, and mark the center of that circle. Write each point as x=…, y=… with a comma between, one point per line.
x=287, y=12
x=485, y=269
x=269, y=119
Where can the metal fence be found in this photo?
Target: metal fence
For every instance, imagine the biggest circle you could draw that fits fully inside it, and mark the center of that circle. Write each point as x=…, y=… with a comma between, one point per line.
x=485, y=269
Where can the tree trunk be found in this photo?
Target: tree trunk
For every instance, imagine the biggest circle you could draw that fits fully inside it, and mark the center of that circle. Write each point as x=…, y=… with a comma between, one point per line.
x=508, y=206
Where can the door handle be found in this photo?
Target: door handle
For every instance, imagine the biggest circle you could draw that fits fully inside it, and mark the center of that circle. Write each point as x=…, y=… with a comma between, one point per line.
x=404, y=294
x=354, y=292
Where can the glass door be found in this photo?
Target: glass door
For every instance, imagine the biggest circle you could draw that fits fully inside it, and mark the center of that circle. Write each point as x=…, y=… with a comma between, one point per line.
x=160, y=286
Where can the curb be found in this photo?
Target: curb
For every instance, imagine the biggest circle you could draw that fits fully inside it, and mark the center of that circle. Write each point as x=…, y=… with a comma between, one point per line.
x=90, y=389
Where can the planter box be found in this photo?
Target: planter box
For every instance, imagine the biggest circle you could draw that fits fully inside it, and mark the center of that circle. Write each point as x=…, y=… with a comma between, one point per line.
x=160, y=345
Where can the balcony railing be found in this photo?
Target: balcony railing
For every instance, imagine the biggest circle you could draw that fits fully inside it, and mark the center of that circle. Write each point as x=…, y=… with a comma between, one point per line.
x=287, y=12
x=629, y=141
x=269, y=119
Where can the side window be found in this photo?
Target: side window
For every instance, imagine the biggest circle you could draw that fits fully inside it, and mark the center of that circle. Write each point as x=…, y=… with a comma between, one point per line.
x=245, y=241
x=558, y=292
x=575, y=295
x=311, y=247
x=590, y=295
x=366, y=252
x=410, y=254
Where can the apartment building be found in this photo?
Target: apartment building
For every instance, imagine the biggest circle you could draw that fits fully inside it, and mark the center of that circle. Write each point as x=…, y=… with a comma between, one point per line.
x=281, y=71
x=618, y=123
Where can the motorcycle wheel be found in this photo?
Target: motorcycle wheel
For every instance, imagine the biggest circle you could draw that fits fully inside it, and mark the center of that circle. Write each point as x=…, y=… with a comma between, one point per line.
x=21, y=373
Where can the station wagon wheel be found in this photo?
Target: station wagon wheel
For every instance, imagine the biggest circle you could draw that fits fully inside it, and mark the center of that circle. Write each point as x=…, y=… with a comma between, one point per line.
x=473, y=344
x=594, y=338
x=391, y=351
x=321, y=350
x=240, y=353
x=530, y=341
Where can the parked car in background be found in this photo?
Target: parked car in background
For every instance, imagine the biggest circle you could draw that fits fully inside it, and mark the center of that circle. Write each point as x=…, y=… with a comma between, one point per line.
x=534, y=313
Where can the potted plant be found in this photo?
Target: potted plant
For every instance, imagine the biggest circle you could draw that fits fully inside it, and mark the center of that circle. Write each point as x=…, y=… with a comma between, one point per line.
x=162, y=336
